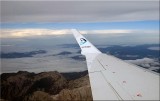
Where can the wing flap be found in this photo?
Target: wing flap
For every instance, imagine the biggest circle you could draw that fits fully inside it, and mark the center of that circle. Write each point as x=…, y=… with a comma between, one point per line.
x=92, y=58
x=101, y=89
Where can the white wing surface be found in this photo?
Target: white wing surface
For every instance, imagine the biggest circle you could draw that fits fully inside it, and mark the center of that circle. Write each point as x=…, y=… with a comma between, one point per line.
x=114, y=79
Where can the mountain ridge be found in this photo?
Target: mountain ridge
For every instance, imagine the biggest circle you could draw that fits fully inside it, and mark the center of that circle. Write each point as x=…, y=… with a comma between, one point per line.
x=50, y=86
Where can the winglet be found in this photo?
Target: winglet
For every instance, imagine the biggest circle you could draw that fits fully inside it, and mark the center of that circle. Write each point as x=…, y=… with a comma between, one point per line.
x=85, y=45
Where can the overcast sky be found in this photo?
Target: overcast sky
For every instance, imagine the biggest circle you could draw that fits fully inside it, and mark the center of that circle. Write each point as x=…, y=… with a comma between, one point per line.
x=78, y=11
x=48, y=16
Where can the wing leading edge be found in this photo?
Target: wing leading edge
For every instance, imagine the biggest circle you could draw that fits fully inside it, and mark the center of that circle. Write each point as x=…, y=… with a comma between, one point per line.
x=114, y=79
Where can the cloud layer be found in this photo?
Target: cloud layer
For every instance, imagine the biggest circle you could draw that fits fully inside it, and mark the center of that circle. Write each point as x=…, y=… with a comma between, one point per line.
x=152, y=64
x=78, y=11
x=20, y=33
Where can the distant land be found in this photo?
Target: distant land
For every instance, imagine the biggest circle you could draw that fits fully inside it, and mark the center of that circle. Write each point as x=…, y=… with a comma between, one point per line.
x=146, y=56
x=79, y=57
x=122, y=52
x=132, y=52
x=63, y=53
x=21, y=55
x=125, y=52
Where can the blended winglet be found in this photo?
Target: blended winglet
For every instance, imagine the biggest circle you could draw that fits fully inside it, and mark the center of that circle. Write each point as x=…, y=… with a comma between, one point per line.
x=85, y=45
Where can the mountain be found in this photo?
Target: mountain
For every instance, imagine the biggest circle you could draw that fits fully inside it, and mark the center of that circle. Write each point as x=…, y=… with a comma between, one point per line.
x=74, y=75
x=44, y=86
x=78, y=89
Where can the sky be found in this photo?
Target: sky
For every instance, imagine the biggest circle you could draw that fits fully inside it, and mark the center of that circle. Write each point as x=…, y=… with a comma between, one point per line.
x=78, y=11
x=31, y=18
x=37, y=24
x=82, y=15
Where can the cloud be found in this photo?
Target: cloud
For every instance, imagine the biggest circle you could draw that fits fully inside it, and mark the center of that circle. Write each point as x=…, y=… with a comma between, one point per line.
x=152, y=64
x=44, y=62
x=78, y=11
x=154, y=48
x=21, y=33
x=116, y=31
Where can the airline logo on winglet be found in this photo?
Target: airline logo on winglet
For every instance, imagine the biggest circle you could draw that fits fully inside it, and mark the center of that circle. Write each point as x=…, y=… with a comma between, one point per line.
x=83, y=41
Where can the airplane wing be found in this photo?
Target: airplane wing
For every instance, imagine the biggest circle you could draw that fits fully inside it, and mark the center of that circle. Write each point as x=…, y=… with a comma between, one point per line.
x=114, y=79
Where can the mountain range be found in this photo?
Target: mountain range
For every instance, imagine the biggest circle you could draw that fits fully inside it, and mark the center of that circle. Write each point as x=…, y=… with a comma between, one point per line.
x=45, y=86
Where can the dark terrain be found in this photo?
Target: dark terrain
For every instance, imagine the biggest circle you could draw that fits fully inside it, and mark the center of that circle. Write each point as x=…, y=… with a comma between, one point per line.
x=135, y=52
x=45, y=86
x=21, y=55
